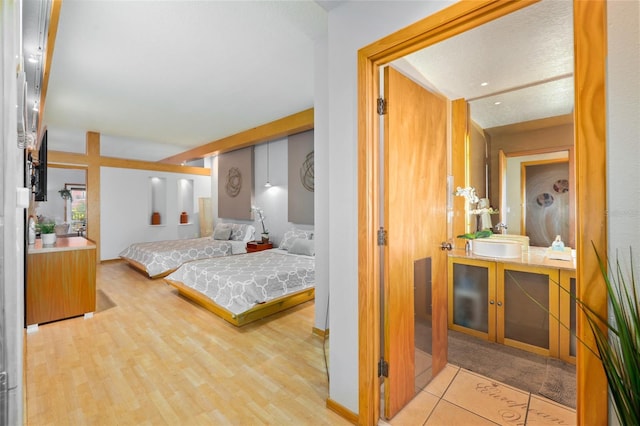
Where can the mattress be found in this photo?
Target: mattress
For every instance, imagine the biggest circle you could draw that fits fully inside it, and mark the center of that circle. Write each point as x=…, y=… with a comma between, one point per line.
x=160, y=257
x=238, y=283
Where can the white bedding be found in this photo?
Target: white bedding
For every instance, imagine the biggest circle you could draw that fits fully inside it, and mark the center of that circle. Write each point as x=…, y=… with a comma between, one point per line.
x=237, y=283
x=160, y=257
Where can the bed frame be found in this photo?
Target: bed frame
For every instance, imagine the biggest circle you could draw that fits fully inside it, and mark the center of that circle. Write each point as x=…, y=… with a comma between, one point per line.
x=140, y=267
x=257, y=312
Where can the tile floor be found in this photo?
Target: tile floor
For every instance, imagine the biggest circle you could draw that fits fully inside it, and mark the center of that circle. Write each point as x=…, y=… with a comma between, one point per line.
x=460, y=397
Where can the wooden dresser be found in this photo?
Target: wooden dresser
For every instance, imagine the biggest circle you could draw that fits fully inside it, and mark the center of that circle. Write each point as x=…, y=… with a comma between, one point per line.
x=61, y=280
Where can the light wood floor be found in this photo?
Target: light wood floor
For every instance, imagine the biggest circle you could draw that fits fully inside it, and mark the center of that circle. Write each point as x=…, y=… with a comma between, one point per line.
x=155, y=358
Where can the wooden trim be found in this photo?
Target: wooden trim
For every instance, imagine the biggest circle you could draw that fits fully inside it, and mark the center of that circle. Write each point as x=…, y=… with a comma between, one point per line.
x=290, y=125
x=590, y=41
x=257, y=312
x=459, y=161
x=368, y=256
x=150, y=165
x=93, y=189
x=590, y=145
x=54, y=19
x=75, y=160
x=320, y=333
x=343, y=412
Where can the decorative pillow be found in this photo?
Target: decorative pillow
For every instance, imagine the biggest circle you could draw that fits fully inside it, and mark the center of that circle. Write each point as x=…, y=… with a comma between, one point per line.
x=301, y=246
x=292, y=235
x=221, y=232
x=238, y=231
x=250, y=234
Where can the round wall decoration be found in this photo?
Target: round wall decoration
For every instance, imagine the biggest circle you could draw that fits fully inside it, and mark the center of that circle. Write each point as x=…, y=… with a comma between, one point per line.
x=234, y=182
x=307, y=173
x=561, y=186
x=545, y=199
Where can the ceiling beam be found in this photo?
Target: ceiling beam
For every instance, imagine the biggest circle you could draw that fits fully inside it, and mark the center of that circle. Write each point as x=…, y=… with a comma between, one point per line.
x=286, y=126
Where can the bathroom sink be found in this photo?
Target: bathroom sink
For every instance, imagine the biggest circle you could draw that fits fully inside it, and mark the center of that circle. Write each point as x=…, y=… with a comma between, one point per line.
x=522, y=239
x=500, y=248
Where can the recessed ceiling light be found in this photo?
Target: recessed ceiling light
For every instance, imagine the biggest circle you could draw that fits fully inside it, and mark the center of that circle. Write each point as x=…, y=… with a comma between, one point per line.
x=484, y=84
x=497, y=103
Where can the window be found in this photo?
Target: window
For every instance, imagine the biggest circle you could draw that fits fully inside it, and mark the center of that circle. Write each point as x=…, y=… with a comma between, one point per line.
x=75, y=210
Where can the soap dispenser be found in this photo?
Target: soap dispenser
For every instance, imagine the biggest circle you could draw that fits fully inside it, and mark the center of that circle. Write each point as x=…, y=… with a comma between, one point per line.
x=557, y=245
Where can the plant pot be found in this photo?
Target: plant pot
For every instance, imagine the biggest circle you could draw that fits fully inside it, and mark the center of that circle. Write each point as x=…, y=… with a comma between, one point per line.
x=265, y=238
x=48, y=239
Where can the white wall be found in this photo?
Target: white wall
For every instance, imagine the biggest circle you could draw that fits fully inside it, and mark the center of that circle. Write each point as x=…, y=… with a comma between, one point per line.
x=623, y=126
x=352, y=26
x=623, y=134
x=11, y=216
x=125, y=209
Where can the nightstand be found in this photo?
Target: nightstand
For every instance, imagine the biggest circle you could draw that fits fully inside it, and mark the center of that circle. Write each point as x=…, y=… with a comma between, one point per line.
x=253, y=246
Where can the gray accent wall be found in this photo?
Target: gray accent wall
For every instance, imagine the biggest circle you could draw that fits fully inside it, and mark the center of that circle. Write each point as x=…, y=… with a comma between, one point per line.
x=301, y=178
x=235, y=184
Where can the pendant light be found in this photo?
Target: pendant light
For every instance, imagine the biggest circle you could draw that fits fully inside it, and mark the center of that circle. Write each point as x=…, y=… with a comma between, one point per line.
x=268, y=183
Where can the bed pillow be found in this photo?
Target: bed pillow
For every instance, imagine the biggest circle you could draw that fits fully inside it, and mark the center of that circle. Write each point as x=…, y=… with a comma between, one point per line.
x=221, y=232
x=249, y=234
x=302, y=246
x=241, y=232
x=292, y=235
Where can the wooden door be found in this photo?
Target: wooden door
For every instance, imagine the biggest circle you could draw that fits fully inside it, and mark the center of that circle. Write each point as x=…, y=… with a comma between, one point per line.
x=415, y=195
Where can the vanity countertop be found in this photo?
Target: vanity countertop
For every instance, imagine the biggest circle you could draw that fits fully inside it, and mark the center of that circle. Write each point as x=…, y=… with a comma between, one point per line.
x=62, y=244
x=537, y=256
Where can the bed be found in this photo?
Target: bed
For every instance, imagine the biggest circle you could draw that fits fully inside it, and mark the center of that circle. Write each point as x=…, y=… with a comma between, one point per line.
x=157, y=259
x=244, y=288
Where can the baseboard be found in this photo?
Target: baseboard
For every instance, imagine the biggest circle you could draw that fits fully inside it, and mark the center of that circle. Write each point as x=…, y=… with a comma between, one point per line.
x=320, y=333
x=342, y=411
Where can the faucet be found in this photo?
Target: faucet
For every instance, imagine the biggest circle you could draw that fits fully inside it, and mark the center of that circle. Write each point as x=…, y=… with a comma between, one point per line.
x=500, y=228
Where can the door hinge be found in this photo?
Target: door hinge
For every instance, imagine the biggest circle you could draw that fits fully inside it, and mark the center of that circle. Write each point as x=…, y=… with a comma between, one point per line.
x=382, y=237
x=382, y=106
x=383, y=368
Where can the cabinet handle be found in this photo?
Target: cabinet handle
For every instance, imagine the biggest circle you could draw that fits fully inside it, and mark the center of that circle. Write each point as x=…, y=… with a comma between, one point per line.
x=499, y=303
x=491, y=302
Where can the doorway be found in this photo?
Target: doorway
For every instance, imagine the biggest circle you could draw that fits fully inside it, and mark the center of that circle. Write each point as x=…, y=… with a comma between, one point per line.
x=590, y=155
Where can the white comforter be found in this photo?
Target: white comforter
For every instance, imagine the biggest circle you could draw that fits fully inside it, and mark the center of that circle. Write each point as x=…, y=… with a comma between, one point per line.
x=237, y=283
x=158, y=257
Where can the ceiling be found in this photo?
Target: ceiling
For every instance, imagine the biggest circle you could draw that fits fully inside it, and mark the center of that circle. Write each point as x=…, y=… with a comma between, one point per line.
x=525, y=58
x=180, y=72
x=186, y=73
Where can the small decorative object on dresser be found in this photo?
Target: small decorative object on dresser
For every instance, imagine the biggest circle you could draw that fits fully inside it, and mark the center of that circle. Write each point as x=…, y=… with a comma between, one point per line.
x=155, y=218
x=184, y=217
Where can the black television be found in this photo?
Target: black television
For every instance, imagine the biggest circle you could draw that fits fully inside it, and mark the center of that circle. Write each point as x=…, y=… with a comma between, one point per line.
x=40, y=171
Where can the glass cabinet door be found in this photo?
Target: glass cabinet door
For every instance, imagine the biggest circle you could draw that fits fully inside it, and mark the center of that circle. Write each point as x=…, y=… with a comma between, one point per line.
x=471, y=297
x=527, y=308
x=567, y=316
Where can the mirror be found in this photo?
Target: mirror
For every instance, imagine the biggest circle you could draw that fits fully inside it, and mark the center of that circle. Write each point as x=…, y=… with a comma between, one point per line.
x=516, y=74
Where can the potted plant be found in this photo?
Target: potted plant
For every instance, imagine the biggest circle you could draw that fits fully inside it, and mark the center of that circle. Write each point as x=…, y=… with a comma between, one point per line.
x=265, y=231
x=48, y=233
x=65, y=194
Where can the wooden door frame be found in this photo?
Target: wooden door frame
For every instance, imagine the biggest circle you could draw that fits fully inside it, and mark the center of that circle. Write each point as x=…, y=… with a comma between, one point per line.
x=590, y=51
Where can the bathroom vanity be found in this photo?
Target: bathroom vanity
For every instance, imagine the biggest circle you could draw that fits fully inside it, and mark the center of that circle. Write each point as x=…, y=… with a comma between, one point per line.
x=515, y=301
